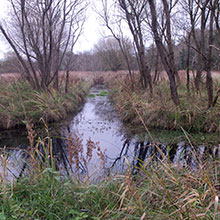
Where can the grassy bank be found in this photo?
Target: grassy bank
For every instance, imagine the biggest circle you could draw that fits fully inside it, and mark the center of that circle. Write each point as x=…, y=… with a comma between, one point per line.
x=18, y=101
x=159, y=191
x=137, y=107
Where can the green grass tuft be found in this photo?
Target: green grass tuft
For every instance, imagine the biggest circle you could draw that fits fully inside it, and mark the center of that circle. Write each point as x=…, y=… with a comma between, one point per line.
x=91, y=96
x=103, y=93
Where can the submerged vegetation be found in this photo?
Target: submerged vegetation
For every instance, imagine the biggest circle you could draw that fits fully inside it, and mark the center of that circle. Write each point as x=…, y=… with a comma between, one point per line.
x=18, y=102
x=103, y=93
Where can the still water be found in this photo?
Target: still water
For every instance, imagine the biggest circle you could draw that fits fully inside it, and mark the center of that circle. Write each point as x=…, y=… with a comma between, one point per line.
x=112, y=146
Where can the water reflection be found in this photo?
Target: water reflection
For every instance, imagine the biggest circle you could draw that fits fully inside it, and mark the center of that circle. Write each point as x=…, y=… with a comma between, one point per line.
x=97, y=130
x=98, y=121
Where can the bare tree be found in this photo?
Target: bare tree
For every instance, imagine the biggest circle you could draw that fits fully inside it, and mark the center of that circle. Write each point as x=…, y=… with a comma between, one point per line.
x=198, y=12
x=188, y=43
x=184, y=26
x=216, y=15
x=68, y=57
x=110, y=54
x=155, y=66
x=165, y=49
x=207, y=58
x=114, y=25
x=129, y=13
x=202, y=15
x=41, y=31
x=134, y=12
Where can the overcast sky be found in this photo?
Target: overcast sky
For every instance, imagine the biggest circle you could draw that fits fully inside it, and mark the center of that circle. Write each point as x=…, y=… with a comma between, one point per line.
x=92, y=30
x=3, y=12
x=91, y=34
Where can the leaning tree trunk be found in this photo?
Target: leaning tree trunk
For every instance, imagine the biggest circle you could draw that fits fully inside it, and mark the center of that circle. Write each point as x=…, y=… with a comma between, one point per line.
x=134, y=20
x=166, y=58
x=28, y=75
x=209, y=81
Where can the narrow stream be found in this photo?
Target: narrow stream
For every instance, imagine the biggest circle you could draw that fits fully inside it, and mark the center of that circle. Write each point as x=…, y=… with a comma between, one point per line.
x=97, y=127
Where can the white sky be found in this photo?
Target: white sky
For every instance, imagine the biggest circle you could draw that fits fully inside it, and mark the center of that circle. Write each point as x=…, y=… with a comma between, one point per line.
x=91, y=34
x=3, y=12
x=92, y=29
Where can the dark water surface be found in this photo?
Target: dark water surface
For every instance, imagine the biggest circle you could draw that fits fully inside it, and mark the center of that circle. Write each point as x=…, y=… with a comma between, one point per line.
x=99, y=124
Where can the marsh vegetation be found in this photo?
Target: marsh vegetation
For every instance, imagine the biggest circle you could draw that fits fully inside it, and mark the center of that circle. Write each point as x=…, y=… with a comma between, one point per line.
x=129, y=130
x=131, y=185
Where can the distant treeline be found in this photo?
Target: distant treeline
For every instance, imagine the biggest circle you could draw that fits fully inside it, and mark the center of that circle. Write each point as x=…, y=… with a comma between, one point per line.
x=107, y=56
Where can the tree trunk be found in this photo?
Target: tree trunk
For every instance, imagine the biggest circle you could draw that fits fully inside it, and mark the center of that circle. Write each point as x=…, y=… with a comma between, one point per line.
x=67, y=81
x=167, y=59
x=209, y=87
x=198, y=77
x=209, y=81
x=187, y=65
x=156, y=72
x=134, y=21
x=56, y=80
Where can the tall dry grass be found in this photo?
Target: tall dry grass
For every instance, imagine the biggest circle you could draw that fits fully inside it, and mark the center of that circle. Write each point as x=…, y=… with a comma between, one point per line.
x=159, y=191
x=51, y=105
x=158, y=111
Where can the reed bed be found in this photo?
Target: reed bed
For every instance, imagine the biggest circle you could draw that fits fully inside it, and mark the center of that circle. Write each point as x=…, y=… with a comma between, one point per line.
x=158, y=111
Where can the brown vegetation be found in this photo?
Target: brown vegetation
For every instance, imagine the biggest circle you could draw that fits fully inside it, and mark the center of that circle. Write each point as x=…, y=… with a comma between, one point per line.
x=19, y=102
x=158, y=111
